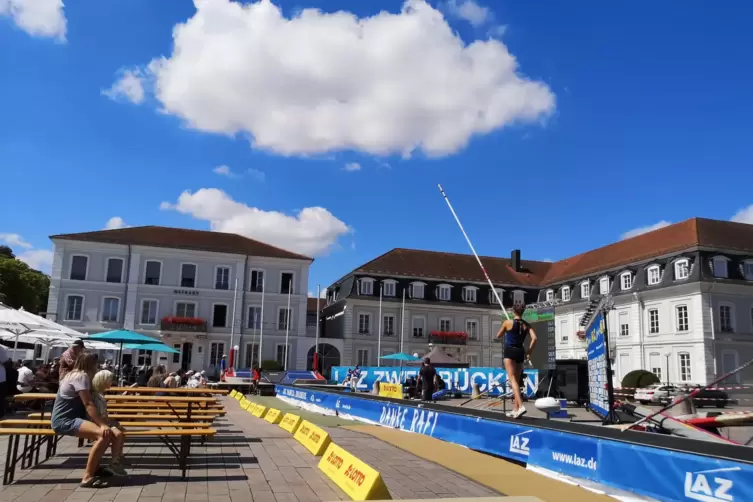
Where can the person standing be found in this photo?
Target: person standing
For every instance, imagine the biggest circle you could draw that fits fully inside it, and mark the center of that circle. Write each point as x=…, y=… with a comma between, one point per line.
x=426, y=379
x=514, y=331
x=3, y=379
x=68, y=358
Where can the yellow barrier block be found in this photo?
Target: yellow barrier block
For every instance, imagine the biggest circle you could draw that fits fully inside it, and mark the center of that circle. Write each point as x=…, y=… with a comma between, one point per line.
x=245, y=404
x=391, y=390
x=233, y=393
x=290, y=423
x=313, y=438
x=259, y=410
x=355, y=477
x=238, y=396
x=273, y=416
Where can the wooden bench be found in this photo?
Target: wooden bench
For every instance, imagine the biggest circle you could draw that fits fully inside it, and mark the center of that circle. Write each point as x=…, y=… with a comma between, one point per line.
x=149, y=409
x=140, y=416
x=181, y=390
x=181, y=450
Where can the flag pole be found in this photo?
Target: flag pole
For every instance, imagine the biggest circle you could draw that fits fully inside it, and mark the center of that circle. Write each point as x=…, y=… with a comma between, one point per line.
x=316, y=340
x=261, y=324
x=468, y=240
x=232, y=326
x=379, y=336
x=402, y=323
x=287, y=324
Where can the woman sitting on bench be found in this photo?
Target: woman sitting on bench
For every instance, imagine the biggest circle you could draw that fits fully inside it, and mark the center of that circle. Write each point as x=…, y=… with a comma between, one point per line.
x=75, y=414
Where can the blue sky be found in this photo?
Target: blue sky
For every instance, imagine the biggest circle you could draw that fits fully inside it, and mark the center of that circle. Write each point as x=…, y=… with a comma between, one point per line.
x=554, y=127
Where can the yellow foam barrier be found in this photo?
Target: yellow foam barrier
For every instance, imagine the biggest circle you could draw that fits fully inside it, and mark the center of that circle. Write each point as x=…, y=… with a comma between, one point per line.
x=290, y=423
x=273, y=416
x=233, y=393
x=238, y=396
x=259, y=410
x=245, y=404
x=313, y=438
x=355, y=477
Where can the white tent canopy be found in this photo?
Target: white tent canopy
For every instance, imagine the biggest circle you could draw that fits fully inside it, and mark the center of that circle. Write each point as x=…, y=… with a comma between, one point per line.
x=21, y=326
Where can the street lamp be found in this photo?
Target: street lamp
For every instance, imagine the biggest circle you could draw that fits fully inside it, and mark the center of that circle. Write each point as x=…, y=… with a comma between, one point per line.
x=667, y=355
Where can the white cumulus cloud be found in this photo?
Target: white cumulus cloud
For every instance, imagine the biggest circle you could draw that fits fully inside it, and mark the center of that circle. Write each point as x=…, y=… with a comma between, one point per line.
x=114, y=223
x=744, y=215
x=352, y=166
x=39, y=18
x=256, y=174
x=313, y=231
x=38, y=259
x=468, y=10
x=317, y=82
x=14, y=240
x=322, y=294
x=129, y=87
x=642, y=230
x=224, y=171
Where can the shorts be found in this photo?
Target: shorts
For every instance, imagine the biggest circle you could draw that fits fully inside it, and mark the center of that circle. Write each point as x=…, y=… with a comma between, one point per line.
x=517, y=354
x=66, y=427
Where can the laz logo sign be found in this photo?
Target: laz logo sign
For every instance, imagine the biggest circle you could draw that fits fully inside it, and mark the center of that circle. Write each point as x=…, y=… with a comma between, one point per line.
x=519, y=443
x=706, y=486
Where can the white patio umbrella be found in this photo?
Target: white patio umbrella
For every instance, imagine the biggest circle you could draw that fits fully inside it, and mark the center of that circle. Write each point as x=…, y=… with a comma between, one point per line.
x=52, y=324
x=22, y=327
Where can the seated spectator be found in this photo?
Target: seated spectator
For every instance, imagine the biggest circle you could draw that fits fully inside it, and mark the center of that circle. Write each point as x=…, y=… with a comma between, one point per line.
x=75, y=414
x=101, y=383
x=25, y=377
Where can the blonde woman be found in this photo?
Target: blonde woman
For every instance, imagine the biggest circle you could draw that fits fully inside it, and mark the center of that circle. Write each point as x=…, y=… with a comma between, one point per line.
x=74, y=414
x=101, y=382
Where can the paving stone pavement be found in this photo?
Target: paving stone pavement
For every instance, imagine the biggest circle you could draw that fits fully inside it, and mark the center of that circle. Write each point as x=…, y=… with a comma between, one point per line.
x=248, y=460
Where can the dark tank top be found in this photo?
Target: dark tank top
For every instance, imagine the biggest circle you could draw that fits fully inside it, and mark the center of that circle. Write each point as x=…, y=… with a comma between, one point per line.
x=517, y=334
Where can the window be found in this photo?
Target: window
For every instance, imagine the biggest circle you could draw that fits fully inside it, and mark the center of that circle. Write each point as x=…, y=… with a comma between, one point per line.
x=152, y=273
x=654, y=275
x=79, y=267
x=471, y=329
x=216, y=351
x=469, y=294
x=685, y=374
x=362, y=357
x=219, y=315
x=654, y=359
x=493, y=299
x=74, y=308
x=388, y=288
x=626, y=281
x=185, y=309
x=682, y=269
x=283, y=319
x=624, y=319
x=748, y=270
x=518, y=297
x=110, y=309
x=730, y=361
x=719, y=266
x=388, y=325
x=254, y=317
x=445, y=325
x=653, y=321
x=682, y=318
x=176, y=355
x=417, y=290
x=144, y=357
x=257, y=281
x=549, y=295
x=624, y=364
x=472, y=360
x=443, y=292
x=585, y=290
x=564, y=335
x=364, y=324
x=282, y=355
x=286, y=283
x=188, y=275
x=566, y=294
x=149, y=312
x=725, y=319
x=604, y=285
x=114, y=272
x=222, y=278
x=419, y=326
x=251, y=355
x=366, y=287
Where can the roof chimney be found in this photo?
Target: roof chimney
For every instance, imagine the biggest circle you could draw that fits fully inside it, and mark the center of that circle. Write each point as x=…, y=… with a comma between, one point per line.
x=515, y=259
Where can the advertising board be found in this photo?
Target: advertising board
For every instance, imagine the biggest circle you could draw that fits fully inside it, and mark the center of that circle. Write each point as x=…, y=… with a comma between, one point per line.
x=598, y=366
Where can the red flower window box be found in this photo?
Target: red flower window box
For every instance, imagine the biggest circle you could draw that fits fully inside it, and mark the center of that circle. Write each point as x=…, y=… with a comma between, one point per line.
x=450, y=334
x=196, y=321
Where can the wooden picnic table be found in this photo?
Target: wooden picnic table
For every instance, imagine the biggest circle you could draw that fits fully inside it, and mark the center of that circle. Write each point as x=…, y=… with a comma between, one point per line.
x=180, y=390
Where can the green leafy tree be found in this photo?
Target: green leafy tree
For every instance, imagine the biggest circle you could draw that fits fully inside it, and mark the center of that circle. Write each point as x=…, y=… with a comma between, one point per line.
x=20, y=285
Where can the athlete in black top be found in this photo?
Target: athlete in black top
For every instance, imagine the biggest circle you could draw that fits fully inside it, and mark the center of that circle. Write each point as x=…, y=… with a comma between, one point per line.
x=514, y=332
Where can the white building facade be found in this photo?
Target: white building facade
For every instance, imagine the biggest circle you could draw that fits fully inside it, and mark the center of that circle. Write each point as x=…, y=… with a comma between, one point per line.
x=194, y=297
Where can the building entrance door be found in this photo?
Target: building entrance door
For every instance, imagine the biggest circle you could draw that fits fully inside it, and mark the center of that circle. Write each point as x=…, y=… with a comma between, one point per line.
x=185, y=360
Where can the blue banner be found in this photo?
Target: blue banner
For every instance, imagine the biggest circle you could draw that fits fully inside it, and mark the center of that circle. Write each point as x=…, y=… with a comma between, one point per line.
x=458, y=378
x=597, y=366
x=625, y=466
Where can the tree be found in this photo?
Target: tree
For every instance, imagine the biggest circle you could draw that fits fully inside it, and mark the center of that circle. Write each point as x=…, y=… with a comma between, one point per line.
x=22, y=286
x=6, y=252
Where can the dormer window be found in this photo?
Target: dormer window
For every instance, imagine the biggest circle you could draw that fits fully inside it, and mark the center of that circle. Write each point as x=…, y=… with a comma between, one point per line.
x=416, y=290
x=443, y=292
x=748, y=270
x=626, y=281
x=549, y=295
x=493, y=299
x=518, y=297
x=585, y=290
x=719, y=266
x=388, y=287
x=654, y=275
x=682, y=269
x=366, y=286
x=565, y=293
x=469, y=294
x=604, y=285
